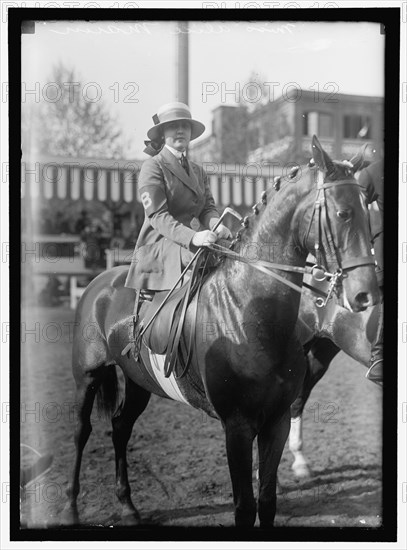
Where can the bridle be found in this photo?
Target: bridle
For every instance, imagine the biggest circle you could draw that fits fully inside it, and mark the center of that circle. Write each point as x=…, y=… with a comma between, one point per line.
x=322, y=227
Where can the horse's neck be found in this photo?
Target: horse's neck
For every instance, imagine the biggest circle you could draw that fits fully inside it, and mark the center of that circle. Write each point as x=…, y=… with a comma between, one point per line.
x=269, y=238
x=272, y=237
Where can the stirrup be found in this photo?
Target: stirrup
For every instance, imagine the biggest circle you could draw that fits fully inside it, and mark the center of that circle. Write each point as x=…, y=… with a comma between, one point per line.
x=142, y=295
x=135, y=341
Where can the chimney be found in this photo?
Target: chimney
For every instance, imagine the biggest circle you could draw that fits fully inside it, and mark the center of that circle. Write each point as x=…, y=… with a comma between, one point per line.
x=182, y=63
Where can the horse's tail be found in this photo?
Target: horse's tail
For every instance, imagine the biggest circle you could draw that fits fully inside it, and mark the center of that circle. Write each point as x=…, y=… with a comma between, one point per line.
x=107, y=394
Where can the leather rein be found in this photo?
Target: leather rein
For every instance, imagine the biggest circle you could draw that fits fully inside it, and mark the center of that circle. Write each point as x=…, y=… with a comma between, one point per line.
x=317, y=271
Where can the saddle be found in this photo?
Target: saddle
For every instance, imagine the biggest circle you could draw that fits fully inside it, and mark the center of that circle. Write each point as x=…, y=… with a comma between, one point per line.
x=163, y=335
x=157, y=335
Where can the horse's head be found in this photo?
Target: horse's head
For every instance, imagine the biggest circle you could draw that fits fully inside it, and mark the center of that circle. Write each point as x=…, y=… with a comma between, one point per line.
x=336, y=228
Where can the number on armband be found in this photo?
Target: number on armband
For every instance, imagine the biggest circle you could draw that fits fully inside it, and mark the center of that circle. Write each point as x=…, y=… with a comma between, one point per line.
x=146, y=199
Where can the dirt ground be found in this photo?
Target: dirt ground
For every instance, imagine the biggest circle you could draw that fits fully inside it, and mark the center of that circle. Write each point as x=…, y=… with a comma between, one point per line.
x=177, y=461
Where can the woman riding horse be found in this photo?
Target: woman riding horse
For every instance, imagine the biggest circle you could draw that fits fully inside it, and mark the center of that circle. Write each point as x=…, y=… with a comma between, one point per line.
x=247, y=364
x=179, y=207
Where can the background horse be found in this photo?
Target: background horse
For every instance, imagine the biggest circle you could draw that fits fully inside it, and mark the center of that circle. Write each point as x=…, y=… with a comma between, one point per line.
x=325, y=332
x=247, y=363
x=328, y=330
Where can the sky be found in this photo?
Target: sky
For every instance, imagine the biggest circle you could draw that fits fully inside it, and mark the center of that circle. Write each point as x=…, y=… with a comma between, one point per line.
x=132, y=66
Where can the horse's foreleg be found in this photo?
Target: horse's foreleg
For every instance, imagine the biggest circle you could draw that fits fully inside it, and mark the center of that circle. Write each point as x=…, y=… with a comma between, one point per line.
x=135, y=402
x=239, y=447
x=85, y=397
x=271, y=441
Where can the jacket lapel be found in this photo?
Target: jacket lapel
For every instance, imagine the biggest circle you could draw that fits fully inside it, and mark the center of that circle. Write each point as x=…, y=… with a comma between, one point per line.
x=175, y=167
x=192, y=176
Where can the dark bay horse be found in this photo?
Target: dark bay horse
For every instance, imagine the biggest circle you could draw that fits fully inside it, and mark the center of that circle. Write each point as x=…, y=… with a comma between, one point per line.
x=247, y=363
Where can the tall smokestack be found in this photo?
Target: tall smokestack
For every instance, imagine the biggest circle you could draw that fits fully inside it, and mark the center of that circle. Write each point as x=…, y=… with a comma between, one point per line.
x=182, y=65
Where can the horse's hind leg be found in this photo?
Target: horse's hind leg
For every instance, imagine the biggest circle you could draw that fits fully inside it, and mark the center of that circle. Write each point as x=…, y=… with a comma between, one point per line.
x=87, y=385
x=271, y=441
x=135, y=401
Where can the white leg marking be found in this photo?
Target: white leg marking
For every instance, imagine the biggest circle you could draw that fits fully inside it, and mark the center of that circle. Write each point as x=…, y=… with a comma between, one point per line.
x=299, y=466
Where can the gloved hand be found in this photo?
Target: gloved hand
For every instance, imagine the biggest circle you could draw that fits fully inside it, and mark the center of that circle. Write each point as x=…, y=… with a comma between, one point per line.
x=223, y=232
x=203, y=238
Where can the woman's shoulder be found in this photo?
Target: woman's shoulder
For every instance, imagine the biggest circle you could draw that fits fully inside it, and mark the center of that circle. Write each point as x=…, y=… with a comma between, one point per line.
x=150, y=166
x=151, y=162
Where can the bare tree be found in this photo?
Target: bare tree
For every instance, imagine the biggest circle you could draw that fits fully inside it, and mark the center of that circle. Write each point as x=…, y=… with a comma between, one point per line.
x=75, y=125
x=72, y=124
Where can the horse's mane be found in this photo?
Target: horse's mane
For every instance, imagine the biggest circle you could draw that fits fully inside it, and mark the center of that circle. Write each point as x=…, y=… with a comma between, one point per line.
x=337, y=170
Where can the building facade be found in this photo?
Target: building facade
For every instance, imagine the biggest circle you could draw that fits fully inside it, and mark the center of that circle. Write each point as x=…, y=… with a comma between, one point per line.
x=281, y=130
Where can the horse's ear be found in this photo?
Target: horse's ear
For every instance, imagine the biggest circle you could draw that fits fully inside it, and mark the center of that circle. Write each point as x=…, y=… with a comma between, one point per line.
x=322, y=159
x=358, y=160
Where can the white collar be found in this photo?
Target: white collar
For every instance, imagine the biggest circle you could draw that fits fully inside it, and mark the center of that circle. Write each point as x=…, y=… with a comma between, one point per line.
x=176, y=153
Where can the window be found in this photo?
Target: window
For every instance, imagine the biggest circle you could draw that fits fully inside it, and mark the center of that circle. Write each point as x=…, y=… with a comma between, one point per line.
x=356, y=127
x=325, y=125
x=320, y=124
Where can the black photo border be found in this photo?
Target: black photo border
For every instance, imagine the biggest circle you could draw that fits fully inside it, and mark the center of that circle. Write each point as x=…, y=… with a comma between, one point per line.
x=390, y=19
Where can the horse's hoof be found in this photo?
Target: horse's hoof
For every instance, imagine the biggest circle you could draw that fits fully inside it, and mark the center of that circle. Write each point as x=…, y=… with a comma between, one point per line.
x=266, y=525
x=69, y=517
x=129, y=520
x=301, y=471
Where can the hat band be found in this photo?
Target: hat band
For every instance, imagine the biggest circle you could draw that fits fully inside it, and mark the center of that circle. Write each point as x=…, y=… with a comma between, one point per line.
x=173, y=114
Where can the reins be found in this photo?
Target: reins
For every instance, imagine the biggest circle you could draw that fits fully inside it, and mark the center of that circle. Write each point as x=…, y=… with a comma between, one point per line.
x=266, y=267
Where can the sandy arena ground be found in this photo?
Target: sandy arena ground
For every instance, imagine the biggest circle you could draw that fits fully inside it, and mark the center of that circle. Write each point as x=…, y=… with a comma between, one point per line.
x=177, y=461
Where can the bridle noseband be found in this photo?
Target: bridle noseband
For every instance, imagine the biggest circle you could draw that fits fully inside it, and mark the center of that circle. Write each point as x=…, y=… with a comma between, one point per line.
x=319, y=270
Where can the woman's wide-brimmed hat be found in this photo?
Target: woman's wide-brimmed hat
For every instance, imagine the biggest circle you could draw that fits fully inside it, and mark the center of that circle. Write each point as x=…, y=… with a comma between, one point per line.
x=171, y=112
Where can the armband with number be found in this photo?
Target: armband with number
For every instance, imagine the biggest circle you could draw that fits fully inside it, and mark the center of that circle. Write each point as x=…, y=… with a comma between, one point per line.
x=152, y=197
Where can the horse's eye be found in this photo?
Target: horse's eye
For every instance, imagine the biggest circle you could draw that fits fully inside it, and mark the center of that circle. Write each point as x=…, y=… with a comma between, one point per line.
x=343, y=214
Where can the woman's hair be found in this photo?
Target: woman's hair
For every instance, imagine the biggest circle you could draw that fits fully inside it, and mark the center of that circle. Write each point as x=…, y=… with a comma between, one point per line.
x=152, y=148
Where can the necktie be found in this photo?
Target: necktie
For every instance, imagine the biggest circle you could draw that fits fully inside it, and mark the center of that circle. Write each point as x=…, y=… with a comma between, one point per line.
x=184, y=163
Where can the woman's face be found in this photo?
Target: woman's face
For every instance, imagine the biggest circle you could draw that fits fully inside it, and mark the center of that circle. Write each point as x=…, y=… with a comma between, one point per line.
x=177, y=134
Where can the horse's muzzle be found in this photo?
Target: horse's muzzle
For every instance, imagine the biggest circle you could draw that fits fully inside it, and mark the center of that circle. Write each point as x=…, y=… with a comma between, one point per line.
x=363, y=300
x=360, y=289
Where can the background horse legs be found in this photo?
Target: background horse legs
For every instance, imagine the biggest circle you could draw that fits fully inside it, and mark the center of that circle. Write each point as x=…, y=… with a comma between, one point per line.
x=271, y=441
x=321, y=353
x=135, y=401
x=239, y=446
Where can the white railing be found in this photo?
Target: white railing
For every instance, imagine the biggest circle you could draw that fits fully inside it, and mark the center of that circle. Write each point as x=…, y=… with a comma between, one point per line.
x=76, y=178
x=116, y=180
